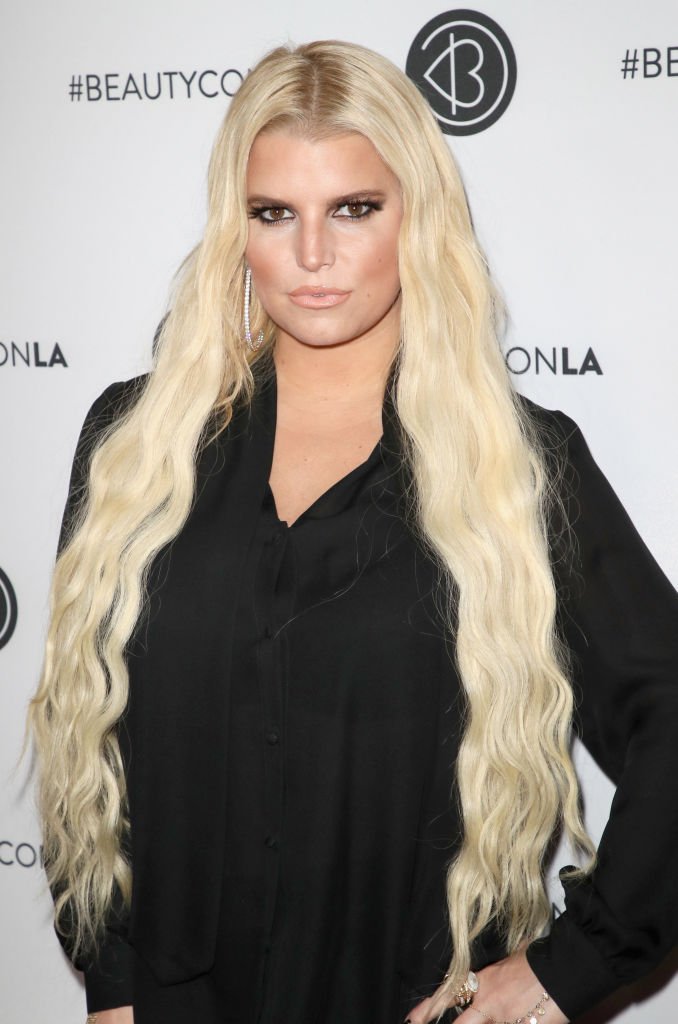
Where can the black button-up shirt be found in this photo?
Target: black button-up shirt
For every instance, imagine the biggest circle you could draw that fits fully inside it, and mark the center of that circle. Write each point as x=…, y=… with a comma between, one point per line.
x=343, y=733
x=343, y=725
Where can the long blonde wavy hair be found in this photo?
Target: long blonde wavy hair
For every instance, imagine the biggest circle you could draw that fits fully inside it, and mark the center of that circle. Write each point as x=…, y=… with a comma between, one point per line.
x=479, y=502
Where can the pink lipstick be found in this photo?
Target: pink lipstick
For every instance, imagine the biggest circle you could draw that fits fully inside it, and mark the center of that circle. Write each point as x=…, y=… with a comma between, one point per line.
x=318, y=297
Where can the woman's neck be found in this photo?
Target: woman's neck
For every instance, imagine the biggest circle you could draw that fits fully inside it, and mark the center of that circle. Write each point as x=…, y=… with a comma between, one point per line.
x=350, y=374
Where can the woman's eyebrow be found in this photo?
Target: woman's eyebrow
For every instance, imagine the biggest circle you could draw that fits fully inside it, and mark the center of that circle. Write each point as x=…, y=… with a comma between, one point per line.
x=348, y=197
x=363, y=193
x=267, y=201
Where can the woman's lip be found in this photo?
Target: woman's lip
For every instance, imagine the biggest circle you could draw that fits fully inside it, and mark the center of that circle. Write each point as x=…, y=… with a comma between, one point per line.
x=315, y=289
x=318, y=298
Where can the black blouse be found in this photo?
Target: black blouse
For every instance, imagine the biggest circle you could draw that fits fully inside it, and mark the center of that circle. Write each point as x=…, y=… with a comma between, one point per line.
x=344, y=722
x=340, y=763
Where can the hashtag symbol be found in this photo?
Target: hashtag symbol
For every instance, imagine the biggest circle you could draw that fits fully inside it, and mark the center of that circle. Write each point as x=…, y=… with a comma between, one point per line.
x=75, y=90
x=630, y=64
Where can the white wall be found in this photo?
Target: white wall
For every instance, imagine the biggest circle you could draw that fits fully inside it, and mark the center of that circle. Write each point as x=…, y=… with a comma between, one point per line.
x=573, y=195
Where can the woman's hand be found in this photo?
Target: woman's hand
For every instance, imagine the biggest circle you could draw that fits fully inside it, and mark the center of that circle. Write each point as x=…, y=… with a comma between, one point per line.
x=508, y=989
x=121, y=1015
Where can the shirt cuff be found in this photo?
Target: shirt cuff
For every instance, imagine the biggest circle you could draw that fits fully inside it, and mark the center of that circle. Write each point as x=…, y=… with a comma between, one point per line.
x=570, y=968
x=109, y=981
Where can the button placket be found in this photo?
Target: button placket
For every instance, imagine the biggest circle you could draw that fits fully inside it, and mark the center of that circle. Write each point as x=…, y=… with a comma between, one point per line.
x=274, y=600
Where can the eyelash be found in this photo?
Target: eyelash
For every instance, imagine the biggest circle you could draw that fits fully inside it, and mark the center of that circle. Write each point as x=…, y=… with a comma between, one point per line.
x=257, y=212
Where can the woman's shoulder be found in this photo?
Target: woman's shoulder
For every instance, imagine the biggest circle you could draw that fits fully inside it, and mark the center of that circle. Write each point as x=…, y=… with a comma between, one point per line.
x=114, y=401
x=561, y=443
x=580, y=499
x=106, y=409
x=586, y=516
x=553, y=426
x=109, y=406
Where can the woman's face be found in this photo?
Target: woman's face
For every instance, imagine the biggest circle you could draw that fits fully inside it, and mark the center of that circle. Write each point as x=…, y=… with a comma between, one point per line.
x=323, y=236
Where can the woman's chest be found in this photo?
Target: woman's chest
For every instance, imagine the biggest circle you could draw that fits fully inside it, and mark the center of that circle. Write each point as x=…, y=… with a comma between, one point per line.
x=309, y=457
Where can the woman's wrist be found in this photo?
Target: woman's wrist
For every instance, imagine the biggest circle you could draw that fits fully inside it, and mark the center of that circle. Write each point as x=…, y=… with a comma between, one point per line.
x=116, y=1015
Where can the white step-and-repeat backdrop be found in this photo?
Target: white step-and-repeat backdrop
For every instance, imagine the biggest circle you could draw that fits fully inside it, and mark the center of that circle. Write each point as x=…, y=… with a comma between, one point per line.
x=563, y=117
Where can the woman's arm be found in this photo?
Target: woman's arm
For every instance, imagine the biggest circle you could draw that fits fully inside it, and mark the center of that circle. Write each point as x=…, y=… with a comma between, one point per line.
x=620, y=619
x=108, y=979
x=619, y=615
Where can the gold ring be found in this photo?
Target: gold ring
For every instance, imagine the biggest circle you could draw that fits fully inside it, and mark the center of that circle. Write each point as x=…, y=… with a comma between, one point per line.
x=465, y=994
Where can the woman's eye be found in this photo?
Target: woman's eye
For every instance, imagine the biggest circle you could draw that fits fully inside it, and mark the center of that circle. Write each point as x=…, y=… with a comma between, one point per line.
x=272, y=214
x=355, y=210
x=281, y=214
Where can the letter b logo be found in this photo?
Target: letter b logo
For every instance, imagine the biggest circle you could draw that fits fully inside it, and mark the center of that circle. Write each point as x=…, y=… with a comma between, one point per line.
x=464, y=64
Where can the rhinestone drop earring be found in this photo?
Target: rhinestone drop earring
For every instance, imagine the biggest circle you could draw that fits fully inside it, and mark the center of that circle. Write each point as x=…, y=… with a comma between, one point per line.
x=254, y=345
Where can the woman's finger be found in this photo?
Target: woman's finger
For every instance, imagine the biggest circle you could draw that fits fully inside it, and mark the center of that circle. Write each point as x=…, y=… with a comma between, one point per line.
x=431, y=1008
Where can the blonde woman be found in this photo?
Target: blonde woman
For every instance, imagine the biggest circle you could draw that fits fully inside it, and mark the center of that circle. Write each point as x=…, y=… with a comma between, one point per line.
x=307, y=701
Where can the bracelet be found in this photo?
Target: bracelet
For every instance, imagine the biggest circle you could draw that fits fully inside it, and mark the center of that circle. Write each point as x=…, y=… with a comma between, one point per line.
x=538, y=1010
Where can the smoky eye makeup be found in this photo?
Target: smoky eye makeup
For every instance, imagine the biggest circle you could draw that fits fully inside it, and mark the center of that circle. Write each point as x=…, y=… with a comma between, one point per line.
x=358, y=208
x=354, y=207
x=270, y=214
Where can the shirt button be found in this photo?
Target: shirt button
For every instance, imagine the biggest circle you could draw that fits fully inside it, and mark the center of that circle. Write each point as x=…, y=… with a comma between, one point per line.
x=272, y=737
x=272, y=842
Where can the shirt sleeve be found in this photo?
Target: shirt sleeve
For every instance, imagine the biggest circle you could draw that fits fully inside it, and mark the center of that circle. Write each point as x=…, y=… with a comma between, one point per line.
x=108, y=978
x=619, y=616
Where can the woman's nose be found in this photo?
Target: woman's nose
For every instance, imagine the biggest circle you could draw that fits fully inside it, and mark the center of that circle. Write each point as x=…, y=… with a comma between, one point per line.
x=315, y=248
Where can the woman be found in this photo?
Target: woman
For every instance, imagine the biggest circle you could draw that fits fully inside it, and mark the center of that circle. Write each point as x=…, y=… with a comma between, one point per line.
x=305, y=682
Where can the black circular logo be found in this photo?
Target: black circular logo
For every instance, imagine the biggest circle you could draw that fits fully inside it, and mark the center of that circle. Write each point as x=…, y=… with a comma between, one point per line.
x=464, y=64
x=8, y=609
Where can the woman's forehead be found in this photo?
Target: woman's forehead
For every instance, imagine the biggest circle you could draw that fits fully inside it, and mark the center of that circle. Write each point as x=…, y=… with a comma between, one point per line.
x=280, y=155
